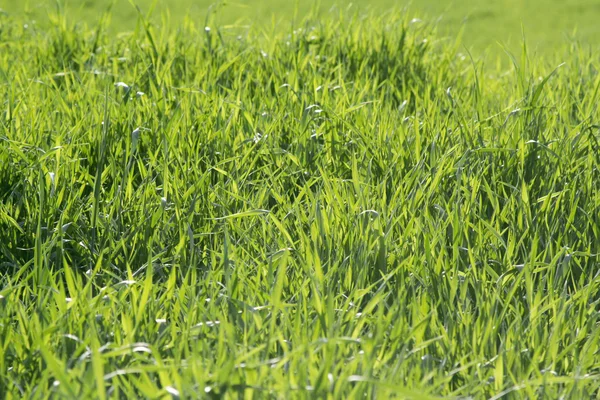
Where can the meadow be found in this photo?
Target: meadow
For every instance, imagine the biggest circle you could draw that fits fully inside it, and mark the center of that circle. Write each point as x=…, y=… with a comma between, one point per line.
x=351, y=207
x=485, y=26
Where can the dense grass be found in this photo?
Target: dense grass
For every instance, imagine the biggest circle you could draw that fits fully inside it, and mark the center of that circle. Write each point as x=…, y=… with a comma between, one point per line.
x=348, y=208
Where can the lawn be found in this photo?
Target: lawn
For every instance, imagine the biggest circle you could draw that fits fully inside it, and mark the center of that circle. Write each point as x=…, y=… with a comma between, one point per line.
x=346, y=207
x=486, y=25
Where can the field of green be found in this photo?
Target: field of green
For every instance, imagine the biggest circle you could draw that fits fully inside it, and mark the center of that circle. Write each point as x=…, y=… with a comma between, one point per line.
x=485, y=25
x=342, y=204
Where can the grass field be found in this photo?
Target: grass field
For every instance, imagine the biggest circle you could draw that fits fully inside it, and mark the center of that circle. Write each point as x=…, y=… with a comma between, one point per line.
x=349, y=208
x=486, y=25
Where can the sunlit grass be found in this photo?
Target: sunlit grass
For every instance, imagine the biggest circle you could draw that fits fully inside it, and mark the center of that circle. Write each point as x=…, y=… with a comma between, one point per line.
x=349, y=208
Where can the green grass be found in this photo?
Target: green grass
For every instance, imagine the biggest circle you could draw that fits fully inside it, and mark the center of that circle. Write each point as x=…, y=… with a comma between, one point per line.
x=340, y=210
x=485, y=24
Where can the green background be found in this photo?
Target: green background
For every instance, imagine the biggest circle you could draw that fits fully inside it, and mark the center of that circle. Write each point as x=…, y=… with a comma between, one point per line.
x=546, y=23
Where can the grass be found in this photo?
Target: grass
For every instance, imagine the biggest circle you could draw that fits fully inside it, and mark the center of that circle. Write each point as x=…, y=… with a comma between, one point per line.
x=483, y=23
x=348, y=208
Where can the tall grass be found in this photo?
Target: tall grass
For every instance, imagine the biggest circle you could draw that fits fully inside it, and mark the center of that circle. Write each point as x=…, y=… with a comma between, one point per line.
x=347, y=208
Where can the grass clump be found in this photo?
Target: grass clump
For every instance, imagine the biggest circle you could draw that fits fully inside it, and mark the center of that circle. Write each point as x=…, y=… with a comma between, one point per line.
x=348, y=208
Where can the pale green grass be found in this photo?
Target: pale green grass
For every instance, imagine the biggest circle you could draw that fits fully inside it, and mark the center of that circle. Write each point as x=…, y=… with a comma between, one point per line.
x=341, y=210
x=546, y=24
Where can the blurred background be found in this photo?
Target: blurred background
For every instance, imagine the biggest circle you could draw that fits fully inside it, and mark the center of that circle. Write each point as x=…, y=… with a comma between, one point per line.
x=485, y=24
